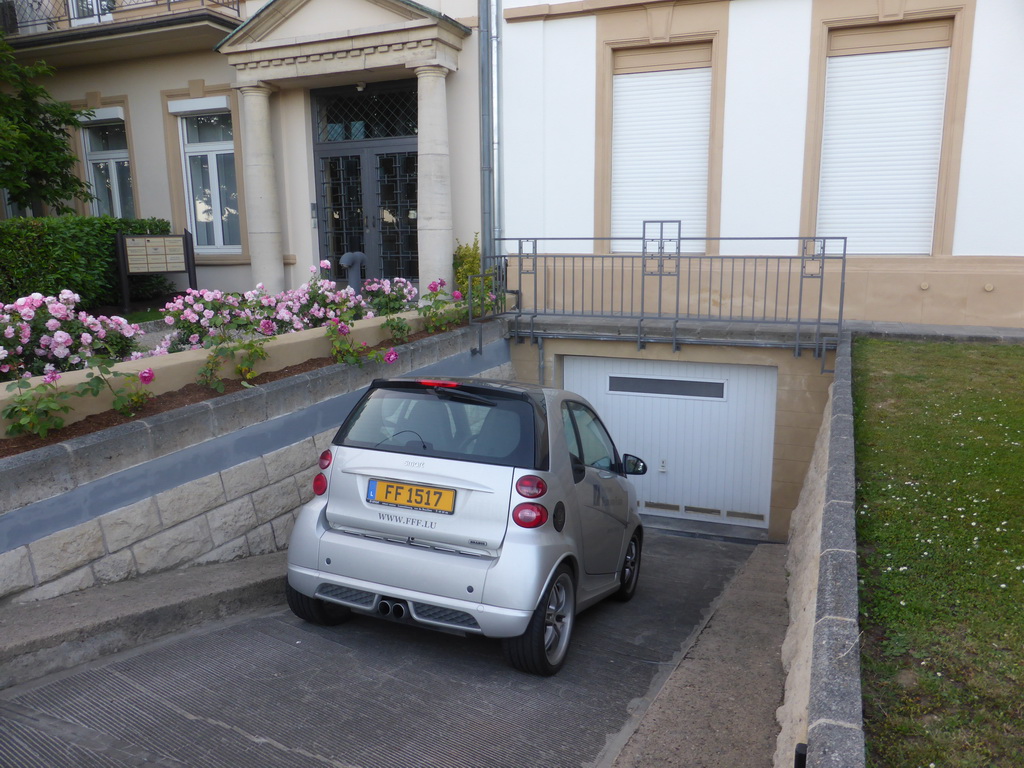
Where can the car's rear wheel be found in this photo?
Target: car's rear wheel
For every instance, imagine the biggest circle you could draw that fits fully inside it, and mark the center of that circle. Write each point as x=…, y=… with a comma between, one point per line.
x=630, y=573
x=313, y=610
x=542, y=648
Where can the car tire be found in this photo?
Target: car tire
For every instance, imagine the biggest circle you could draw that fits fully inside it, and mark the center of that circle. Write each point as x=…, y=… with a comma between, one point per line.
x=629, y=574
x=542, y=648
x=313, y=610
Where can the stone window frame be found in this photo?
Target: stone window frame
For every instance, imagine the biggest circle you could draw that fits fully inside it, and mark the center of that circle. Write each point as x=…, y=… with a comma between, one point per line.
x=175, y=154
x=870, y=26
x=644, y=30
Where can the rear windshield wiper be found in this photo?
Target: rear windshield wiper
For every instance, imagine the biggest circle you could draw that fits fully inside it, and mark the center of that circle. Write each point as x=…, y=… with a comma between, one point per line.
x=451, y=393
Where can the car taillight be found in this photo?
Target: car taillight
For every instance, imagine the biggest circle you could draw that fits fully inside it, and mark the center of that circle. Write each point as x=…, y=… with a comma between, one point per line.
x=325, y=459
x=530, y=515
x=320, y=484
x=531, y=486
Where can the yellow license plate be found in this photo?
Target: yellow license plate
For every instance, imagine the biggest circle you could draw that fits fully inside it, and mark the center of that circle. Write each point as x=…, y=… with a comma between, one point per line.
x=421, y=497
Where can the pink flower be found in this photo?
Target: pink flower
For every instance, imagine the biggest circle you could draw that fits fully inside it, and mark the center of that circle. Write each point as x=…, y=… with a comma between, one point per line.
x=390, y=356
x=147, y=376
x=51, y=377
x=325, y=264
x=267, y=327
x=457, y=295
x=433, y=287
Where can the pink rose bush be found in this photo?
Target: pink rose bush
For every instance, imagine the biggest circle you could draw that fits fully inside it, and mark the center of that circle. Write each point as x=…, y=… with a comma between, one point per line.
x=442, y=310
x=40, y=335
x=204, y=318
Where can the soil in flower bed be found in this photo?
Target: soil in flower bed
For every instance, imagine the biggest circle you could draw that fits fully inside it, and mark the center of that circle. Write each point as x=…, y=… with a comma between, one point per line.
x=187, y=395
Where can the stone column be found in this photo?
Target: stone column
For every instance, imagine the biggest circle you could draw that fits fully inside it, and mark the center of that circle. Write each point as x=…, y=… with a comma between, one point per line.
x=262, y=208
x=434, y=204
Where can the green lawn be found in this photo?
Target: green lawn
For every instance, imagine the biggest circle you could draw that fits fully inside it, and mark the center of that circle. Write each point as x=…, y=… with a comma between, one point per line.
x=940, y=525
x=144, y=315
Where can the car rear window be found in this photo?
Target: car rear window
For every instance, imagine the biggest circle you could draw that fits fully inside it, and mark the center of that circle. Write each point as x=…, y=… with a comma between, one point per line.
x=489, y=428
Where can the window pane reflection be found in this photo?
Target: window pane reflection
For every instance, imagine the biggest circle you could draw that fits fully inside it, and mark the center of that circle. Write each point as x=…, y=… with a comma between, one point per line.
x=107, y=138
x=202, y=208
x=206, y=129
x=102, y=189
x=228, y=199
x=122, y=169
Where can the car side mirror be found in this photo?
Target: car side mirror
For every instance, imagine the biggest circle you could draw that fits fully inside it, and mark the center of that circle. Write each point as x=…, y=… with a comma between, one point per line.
x=634, y=465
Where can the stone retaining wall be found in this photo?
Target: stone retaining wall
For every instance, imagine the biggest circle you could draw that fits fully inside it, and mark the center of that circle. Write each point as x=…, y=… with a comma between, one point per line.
x=821, y=653
x=208, y=483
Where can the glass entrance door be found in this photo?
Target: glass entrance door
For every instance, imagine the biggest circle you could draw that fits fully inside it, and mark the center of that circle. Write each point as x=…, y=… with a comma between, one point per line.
x=396, y=213
x=368, y=205
x=365, y=150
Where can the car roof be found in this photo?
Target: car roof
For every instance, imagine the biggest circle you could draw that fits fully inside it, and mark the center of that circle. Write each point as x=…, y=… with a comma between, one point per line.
x=500, y=385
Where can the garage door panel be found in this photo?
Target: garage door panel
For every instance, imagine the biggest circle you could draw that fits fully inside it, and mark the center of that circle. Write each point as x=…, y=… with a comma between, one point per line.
x=705, y=430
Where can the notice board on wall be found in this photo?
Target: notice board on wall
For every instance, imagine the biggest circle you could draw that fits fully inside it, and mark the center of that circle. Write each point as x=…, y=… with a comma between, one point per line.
x=155, y=254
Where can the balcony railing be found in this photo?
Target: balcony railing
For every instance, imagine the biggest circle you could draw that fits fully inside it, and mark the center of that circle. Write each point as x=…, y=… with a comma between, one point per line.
x=25, y=17
x=789, y=288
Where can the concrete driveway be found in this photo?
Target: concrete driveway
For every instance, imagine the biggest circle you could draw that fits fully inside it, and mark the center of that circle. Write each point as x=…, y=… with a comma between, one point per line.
x=269, y=690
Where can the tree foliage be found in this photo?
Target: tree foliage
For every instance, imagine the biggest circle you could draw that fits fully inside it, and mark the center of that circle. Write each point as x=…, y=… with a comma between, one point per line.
x=37, y=163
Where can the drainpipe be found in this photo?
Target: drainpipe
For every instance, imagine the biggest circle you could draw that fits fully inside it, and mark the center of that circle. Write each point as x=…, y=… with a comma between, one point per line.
x=499, y=108
x=484, y=11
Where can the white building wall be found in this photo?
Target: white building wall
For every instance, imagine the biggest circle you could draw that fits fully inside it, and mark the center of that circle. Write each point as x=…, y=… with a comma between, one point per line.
x=768, y=51
x=991, y=195
x=549, y=133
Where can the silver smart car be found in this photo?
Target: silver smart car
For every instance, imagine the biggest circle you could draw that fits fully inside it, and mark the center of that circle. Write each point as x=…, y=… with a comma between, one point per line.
x=479, y=506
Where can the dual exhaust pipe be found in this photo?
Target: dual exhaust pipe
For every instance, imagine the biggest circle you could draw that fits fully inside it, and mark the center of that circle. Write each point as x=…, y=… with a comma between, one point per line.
x=396, y=609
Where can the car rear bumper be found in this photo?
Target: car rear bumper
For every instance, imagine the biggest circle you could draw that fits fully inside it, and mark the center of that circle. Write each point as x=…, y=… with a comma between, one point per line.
x=430, y=610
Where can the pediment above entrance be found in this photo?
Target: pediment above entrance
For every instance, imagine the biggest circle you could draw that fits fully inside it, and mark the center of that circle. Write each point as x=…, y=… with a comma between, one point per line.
x=300, y=39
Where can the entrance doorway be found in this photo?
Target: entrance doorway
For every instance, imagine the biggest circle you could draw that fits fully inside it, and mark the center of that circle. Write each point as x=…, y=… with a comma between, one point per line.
x=365, y=153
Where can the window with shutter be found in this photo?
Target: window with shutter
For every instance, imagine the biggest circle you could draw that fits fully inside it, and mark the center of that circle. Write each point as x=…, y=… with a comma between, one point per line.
x=882, y=134
x=661, y=135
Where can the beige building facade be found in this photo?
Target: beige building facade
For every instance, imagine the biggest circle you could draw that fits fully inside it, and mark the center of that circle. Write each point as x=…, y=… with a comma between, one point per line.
x=279, y=139
x=287, y=133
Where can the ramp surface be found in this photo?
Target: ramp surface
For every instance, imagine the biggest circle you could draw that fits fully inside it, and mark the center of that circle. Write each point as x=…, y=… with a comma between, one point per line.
x=273, y=691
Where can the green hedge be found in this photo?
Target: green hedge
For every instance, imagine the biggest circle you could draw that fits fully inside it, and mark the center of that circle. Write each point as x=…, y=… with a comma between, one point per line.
x=47, y=255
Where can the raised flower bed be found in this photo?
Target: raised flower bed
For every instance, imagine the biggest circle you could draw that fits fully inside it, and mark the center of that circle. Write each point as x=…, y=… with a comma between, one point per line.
x=63, y=363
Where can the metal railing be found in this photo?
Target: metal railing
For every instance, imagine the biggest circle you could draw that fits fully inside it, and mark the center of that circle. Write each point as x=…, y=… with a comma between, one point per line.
x=24, y=17
x=794, y=284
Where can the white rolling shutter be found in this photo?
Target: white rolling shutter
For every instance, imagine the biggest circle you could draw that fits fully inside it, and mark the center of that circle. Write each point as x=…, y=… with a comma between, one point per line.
x=661, y=129
x=882, y=138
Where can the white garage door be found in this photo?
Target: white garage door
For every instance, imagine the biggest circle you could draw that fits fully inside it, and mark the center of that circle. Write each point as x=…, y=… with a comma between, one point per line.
x=705, y=430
